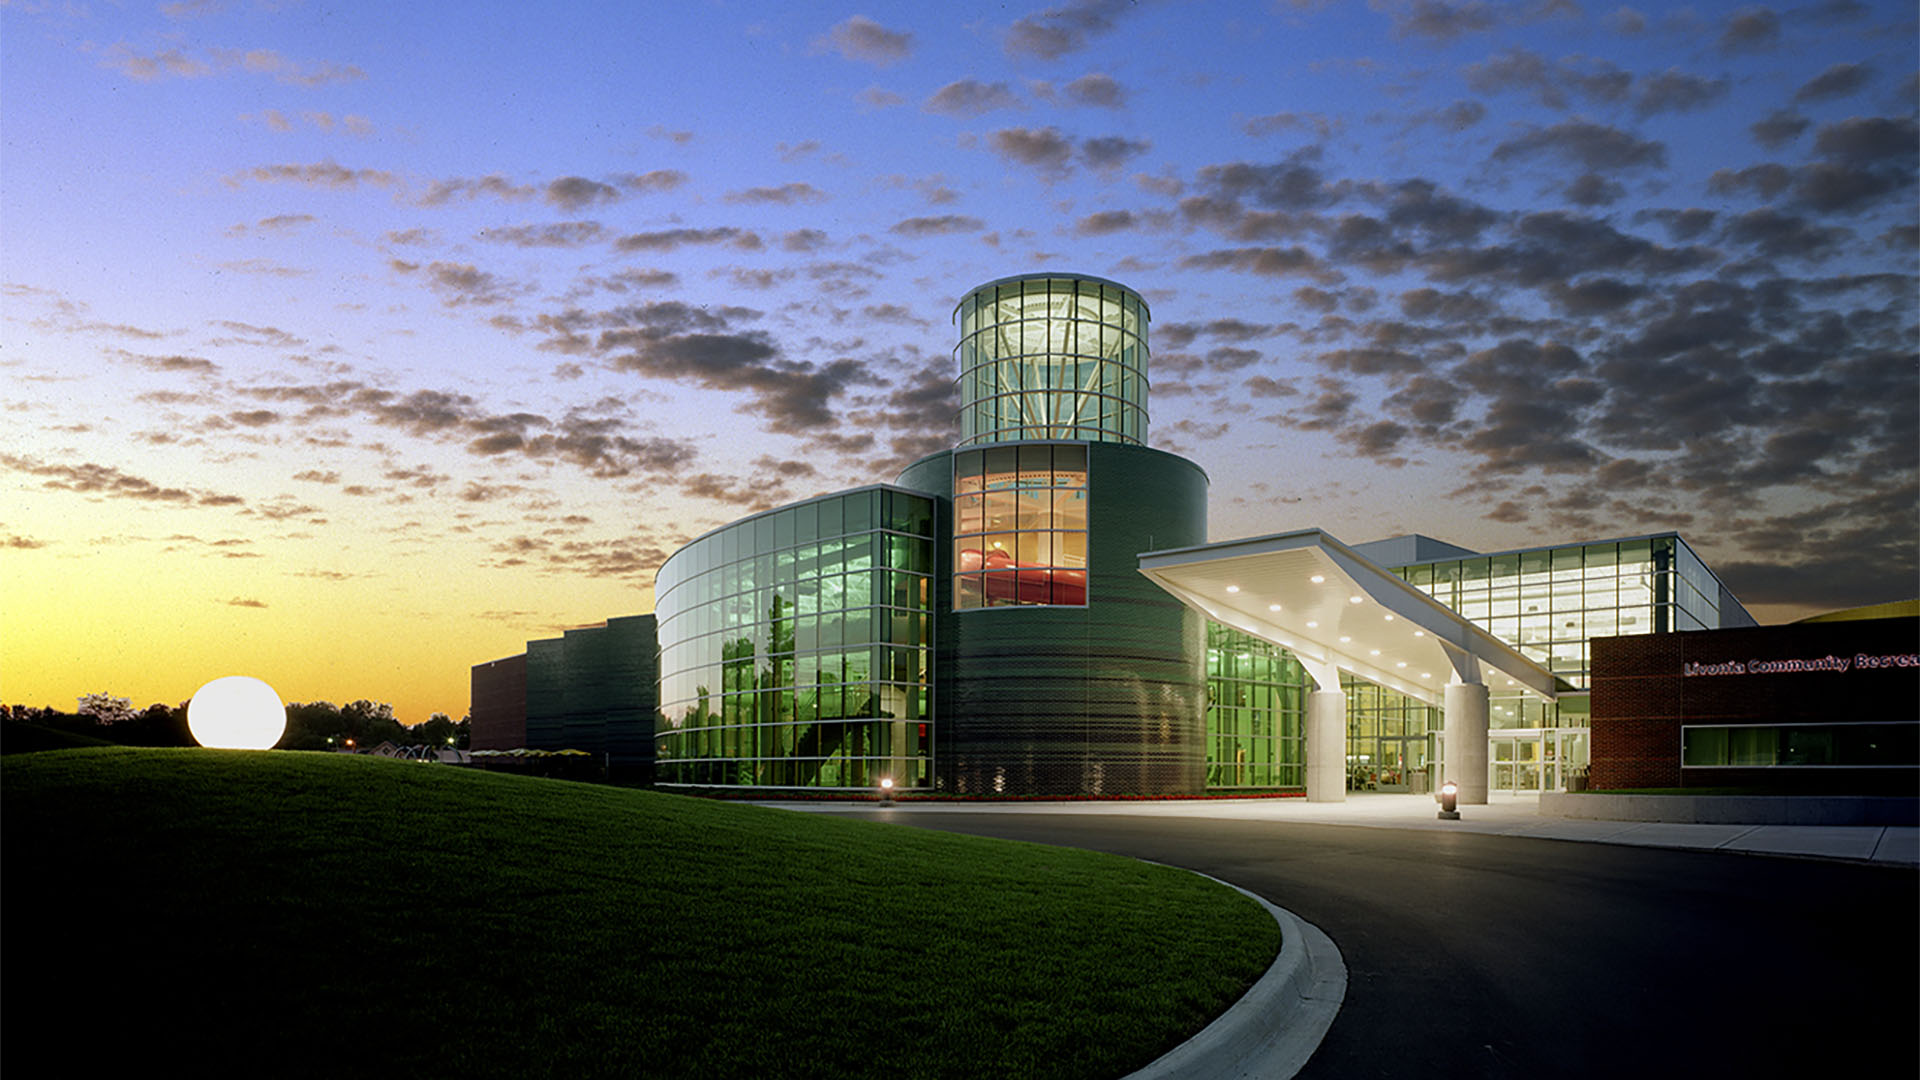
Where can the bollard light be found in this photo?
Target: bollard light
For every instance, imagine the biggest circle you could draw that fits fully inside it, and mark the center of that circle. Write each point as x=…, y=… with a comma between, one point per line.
x=1449, y=801
x=886, y=791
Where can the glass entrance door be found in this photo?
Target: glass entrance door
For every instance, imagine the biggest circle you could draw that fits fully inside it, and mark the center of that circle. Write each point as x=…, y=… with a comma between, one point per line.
x=1524, y=762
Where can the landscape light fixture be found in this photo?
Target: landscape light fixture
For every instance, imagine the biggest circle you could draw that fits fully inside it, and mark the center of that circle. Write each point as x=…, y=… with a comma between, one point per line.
x=886, y=791
x=1449, y=801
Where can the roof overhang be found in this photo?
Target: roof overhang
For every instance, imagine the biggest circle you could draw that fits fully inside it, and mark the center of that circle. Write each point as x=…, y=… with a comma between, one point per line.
x=1338, y=611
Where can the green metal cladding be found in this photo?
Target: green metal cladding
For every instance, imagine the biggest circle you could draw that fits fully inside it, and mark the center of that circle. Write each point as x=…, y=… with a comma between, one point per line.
x=1108, y=698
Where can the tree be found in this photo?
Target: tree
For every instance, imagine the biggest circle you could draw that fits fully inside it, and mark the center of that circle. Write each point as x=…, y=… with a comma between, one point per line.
x=106, y=709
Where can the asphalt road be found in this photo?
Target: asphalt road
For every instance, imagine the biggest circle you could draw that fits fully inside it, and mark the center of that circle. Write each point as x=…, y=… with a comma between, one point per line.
x=1486, y=956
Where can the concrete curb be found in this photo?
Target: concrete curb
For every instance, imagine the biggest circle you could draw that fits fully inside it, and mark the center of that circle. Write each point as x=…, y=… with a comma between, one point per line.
x=1277, y=1025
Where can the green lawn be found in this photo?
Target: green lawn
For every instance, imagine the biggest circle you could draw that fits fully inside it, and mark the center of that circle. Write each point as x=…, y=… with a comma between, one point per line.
x=314, y=914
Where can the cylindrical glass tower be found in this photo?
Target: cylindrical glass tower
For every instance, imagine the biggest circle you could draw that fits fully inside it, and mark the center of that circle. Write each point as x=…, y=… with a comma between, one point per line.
x=1052, y=356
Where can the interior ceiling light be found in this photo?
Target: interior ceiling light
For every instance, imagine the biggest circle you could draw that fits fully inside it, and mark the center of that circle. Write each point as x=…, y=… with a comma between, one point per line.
x=1402, y=663
x=1233, y=588
x=1419, y=633
x=1373, y=652
x=1389, y=618
x=1273, y=607
x=1426, y=674
x=1318, y=579
x=1311, y=624
x=1344, y=639
x=1353, y=599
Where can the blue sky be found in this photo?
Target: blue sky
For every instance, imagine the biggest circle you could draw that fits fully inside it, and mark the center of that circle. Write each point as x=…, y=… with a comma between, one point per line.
x=359, y=344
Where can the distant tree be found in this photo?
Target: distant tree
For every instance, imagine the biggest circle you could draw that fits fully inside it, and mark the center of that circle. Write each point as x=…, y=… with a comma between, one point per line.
x=106, y=709
x=438, y=731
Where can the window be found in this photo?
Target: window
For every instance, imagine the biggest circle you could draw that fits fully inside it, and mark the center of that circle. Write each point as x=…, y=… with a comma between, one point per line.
x=1020, y=526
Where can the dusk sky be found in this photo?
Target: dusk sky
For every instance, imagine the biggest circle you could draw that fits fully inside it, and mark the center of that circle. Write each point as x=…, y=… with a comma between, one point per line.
x=347, y=346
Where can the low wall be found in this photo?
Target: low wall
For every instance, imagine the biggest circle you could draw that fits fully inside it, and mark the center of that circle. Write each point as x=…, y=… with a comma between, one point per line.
x=1734, y=809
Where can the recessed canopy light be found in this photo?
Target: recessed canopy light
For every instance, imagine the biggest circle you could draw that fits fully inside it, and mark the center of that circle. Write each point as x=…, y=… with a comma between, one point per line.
x=1233, y=588
x=1389, y=618
x=1311, y=624
x=1509, y=682
x=1344, y=639
x=1419, y=633
x=1426, y=674
x=1273, y=607
x=1373, y=652
x=1353, y=599
x=1318, y=579
x=1402, y=663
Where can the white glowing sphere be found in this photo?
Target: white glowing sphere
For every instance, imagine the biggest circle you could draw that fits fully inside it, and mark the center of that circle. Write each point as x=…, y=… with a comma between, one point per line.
x=237, y=712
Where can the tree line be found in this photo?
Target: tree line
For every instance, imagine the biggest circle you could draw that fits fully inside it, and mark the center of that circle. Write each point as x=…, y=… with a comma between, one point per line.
x=312, y=725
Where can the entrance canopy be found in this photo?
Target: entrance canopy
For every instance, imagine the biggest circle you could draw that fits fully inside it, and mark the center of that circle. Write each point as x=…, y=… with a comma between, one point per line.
x=1338, y=611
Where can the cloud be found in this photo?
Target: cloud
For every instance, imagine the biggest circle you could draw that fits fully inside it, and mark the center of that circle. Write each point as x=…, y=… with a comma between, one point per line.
x=320, y=174
x=557, y=234
x=1778, y=128
x=970, y=97
x=441, y=192
x=874, y=97
x=293, y=72
x=104, y=480
x=1437, y=21
x=1096, y=90
x=1595, y=147
x=1749, y=30
x=460, y=284
x=784, y=195
x=1674, y=90
x=1106, y=222
x=1321, y=125
x=942, y=225
x=1042, y=148
x=860, y=38
x=246, y=602
x=175, y=63
x=1838, y=81
x=711, y=348
x=1111, y=151
x=1057, y=31
x=187, y=365
x=656, y=180
x=670, y=239
x=595, y=442
x=575, y=193
x=151, y=66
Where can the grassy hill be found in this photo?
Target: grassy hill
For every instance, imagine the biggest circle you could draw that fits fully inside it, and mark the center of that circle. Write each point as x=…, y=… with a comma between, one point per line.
x=312, y=914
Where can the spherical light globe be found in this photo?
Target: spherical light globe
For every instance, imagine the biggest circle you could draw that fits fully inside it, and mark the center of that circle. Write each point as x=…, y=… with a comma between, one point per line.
x=237, y=712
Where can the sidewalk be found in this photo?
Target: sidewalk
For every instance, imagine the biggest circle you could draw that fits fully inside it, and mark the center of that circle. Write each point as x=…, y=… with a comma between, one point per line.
x=1505, y=815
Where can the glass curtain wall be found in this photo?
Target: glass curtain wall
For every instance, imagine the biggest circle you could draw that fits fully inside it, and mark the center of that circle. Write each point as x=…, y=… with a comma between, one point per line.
x=1549, y=602
x=795, y=647
x=1389, y=747
x=1256, y=692
x=1051, y=357
x=1020, y=526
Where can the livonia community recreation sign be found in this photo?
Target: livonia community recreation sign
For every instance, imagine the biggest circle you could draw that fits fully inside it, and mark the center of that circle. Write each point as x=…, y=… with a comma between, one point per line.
x=1835, y=664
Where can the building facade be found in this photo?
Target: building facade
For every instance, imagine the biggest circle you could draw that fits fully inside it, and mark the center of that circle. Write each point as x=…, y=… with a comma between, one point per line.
x=1038, y=611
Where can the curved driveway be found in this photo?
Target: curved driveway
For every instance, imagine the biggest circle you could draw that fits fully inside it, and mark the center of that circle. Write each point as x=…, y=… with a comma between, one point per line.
x=1488, y=956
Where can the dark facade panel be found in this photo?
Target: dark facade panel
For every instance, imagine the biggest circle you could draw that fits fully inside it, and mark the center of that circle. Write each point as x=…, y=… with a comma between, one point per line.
x=1783, y=682
x=498, y=707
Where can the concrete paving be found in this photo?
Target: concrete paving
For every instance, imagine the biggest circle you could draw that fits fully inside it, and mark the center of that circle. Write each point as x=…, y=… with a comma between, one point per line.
x=1503, y=815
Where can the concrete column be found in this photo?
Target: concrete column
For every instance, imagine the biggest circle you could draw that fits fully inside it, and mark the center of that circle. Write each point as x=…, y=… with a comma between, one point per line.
x=1327, y=745
x=1466, y=717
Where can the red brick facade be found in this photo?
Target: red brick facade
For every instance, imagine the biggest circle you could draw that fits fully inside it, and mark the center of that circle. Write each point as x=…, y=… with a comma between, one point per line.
x=1643, y=694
